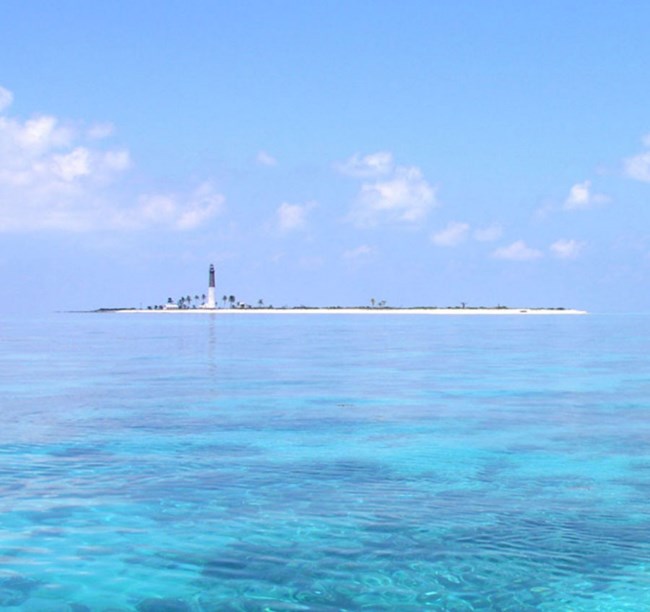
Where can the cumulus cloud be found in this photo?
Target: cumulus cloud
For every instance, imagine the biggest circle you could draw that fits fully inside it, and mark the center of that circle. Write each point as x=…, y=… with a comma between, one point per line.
x=457, y=232
x=54, y=177
x=49, y=179
x=582, y=197
x=395, y=194
x=452, y=235
x=638, y=167
x=266, y=159
x=33, y=137
x=367, y=166
x=202, y=204
x=72, y=165
x=292, y=217
x=517, y=251
x=175, y=211
x=391, y=193
x=567, y=249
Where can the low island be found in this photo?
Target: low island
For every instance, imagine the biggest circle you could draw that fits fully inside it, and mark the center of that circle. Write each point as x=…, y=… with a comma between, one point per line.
x=207, y=304
x=352, y=311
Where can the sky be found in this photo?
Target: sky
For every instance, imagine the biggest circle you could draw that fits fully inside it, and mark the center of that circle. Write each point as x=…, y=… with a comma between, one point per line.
x=325, y=153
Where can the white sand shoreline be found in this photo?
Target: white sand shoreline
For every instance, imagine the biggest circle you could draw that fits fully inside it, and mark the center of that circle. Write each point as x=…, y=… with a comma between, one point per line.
x=358, y=311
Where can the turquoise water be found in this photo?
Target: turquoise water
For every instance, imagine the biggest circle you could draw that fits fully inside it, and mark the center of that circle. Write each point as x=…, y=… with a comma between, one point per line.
x=159, y=463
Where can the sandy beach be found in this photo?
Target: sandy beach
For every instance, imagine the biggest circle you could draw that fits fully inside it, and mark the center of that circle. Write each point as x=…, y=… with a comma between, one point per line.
x=361, y=311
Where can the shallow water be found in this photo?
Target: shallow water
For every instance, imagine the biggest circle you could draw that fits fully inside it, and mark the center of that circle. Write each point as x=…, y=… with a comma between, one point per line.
x=158, y=463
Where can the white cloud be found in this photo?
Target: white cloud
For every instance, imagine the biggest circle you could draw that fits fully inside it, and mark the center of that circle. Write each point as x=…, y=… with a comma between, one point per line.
x=578, y=196
x=359, y=252
x=35, y=136
x=157, y=208
x=291, y=217
x=456, y=233
x=390, y=194
x=581, y=197
x=266, y=159
x=52, y=178
x=367, y=166
x=72, y=165
x=404, y=197
x=517, y=251
x=202, y=204
x=6, y=98
x=638, y=167
x=567, y=249
x=175, y=211
x=488, y=234
x=452, y=235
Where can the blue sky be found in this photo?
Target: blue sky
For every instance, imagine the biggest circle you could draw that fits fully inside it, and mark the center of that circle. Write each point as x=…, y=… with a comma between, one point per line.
x=325, y=152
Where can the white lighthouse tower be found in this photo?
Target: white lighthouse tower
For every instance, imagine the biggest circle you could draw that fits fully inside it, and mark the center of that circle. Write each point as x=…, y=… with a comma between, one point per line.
x=211, y=303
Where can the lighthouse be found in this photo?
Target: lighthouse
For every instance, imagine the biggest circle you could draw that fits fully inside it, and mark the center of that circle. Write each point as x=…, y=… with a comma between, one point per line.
x=211, y=303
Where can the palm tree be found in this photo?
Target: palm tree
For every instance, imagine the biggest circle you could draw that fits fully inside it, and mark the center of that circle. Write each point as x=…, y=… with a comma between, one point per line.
x=260, y=303
x=225, y=299
x=372, y=302
x=232, y=300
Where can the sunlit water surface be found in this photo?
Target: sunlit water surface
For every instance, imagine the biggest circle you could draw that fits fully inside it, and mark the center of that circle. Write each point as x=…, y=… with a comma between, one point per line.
x=175, y=463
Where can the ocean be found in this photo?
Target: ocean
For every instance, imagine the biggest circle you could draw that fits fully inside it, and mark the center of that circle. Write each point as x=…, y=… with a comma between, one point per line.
x=159, y=463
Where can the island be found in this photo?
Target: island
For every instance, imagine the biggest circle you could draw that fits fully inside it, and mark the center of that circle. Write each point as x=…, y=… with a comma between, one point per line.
x=207, y=304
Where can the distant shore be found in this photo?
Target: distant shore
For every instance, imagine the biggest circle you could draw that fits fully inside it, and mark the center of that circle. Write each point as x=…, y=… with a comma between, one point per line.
x=352, y=311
